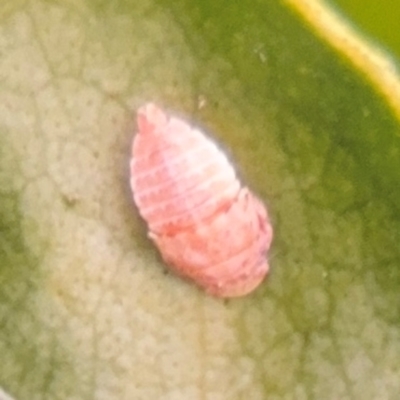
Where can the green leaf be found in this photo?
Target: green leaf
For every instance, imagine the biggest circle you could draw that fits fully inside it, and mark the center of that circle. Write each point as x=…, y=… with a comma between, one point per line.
x=308, y=111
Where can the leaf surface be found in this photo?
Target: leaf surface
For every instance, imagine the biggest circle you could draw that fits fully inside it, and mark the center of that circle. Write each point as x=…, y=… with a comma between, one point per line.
x=86, y=308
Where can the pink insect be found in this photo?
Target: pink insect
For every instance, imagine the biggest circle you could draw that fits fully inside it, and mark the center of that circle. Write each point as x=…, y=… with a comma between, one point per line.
x=206, y=225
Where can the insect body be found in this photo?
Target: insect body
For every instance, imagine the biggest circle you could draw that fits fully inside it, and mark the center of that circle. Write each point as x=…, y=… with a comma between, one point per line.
x=207, y=227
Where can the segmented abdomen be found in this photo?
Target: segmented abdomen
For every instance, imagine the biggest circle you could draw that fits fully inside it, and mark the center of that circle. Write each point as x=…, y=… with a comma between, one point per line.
x=179, y=177
x=207, y=227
